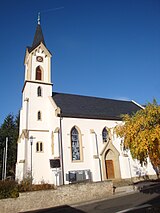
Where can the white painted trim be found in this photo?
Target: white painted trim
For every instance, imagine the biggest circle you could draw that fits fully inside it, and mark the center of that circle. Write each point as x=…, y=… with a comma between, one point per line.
x=138, y=104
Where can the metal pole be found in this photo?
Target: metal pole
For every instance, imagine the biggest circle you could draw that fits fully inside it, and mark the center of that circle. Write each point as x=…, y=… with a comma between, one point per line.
x=56, y=176
x=31, y=141
x=5, y=165
x=61, y=151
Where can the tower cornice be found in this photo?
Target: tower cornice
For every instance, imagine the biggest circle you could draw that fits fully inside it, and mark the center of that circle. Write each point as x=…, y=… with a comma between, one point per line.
x=35, y=82
x=30, y=50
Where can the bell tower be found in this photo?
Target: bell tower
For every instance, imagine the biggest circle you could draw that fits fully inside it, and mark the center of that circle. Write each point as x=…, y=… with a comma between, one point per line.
x=35, y=111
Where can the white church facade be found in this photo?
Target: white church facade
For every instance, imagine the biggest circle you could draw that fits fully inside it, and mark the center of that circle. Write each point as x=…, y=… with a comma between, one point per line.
x=65, y=138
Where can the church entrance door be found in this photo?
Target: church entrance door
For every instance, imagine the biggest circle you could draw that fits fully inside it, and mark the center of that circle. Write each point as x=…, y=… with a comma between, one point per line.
x=110, y=169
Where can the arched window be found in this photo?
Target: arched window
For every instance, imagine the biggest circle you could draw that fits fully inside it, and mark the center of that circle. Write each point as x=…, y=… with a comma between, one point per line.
x=39, y=91
x=39, y=147
x=75, y=144
x=38, y=73
x=39, y=116
x=105, y=135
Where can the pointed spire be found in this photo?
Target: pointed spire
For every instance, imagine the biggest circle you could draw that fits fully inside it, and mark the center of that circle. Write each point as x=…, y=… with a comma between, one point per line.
x=38, y=37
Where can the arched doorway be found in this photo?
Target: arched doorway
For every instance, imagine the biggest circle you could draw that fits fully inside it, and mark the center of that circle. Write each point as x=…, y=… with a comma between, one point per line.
x=109, y=163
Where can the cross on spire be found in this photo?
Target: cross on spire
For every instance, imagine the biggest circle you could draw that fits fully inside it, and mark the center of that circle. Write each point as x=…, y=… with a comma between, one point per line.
x=39, y=18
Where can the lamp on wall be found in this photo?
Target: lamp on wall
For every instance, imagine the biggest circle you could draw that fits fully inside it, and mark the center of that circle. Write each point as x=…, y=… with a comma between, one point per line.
x=31, y=142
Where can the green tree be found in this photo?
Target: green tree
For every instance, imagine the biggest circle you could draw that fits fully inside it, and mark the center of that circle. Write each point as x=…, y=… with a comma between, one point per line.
x=9, y=129
x=141, y=133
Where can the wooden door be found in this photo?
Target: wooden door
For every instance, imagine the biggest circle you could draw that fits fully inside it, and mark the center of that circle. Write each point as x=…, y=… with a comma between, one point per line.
x=110, y=169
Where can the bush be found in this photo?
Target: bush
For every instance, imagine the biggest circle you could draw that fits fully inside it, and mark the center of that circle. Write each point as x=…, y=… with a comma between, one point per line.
x=8, y=189
x=26, y=184
x=11, y=189
x=43, y=186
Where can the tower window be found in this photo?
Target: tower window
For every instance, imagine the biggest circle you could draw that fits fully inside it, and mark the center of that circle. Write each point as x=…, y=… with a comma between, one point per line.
x=39, y=147
x=105, y=135
x=38, y=73
x=39, y=116
x=39, y=91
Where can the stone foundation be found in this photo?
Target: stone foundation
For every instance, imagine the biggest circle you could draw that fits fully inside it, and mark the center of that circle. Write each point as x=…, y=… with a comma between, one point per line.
x=63, y=195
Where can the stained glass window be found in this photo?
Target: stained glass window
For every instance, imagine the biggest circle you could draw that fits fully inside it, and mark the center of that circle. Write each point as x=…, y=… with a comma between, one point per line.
x=105, y=135
x=75, y=144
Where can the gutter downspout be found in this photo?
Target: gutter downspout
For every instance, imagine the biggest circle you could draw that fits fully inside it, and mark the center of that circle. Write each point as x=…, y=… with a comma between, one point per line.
x=100, y=169
x=61, y=149
x=26, y=139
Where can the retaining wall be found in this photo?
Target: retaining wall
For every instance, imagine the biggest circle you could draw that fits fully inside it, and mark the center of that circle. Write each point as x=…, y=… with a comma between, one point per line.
x=63, y=195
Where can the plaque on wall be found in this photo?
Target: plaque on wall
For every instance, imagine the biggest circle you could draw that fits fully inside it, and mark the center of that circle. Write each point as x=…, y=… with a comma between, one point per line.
x=55, y=163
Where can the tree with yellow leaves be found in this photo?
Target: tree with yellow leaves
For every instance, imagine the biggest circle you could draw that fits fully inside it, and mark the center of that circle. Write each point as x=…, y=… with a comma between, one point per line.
x=141, y=133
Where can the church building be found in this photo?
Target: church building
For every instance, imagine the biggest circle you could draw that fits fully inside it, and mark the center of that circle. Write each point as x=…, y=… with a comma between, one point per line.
x=66, y=138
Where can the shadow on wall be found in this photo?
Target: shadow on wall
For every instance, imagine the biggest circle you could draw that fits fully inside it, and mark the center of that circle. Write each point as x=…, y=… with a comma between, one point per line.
x=141, y=171
x=59, y=209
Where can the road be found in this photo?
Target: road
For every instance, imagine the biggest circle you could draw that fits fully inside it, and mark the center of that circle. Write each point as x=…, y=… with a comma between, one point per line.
x=139, y=202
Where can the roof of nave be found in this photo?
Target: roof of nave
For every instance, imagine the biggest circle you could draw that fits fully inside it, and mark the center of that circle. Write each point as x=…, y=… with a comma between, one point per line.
x=78, y=106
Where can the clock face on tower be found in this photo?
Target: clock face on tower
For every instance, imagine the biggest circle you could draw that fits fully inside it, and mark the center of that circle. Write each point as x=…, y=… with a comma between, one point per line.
x=39, y=58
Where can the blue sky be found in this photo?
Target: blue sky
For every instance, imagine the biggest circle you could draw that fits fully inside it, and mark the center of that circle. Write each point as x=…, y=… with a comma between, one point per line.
x=102, y=48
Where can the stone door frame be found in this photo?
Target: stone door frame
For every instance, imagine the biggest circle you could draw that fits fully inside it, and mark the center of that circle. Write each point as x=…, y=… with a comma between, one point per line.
x=110, y=147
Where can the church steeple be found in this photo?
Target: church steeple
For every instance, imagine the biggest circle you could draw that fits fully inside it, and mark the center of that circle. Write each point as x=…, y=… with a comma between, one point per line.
x=38, y=59
x=38, y=37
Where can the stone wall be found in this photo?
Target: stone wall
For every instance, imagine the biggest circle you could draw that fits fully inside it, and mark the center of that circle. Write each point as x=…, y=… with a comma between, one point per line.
x=63, y=195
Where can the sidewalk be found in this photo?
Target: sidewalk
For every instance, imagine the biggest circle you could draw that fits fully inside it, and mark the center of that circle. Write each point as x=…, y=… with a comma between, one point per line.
x=122, y=188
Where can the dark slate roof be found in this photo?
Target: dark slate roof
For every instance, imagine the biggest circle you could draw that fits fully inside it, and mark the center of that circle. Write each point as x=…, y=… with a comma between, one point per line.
x=38, y=38
x=78, y=106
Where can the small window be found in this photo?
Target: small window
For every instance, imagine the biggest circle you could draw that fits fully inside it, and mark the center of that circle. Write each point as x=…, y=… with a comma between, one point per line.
x=39, y=147
x=39, y=116
x=38, y=73
x=105, y=135
x=39, y=91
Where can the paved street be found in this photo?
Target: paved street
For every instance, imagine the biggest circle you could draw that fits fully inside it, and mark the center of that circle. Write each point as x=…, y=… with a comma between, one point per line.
x=138, y=202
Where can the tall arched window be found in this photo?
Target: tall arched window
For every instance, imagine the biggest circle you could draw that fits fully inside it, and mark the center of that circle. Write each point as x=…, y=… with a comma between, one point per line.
x=75, y=144
x=39, y=116
x=38, y=73
x=105, y=135
x=39, y=91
